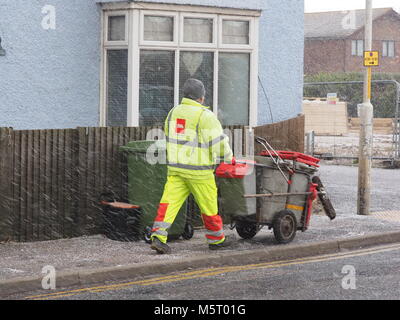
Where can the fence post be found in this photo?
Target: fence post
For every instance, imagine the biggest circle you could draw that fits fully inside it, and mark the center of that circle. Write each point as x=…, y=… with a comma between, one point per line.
x=82, y=147
x=310, y=142
x=6, y=184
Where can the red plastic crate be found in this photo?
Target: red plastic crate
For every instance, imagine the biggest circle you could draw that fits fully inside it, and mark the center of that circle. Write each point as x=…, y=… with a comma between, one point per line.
x=237, y=171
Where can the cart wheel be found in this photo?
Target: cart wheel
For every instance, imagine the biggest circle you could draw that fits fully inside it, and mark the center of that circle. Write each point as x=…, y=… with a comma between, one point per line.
x=246, y=230
x=285, y=226
x=147, y=235
x=188, y=231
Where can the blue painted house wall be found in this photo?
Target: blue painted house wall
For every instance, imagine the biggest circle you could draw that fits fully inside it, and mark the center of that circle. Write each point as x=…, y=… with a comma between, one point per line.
x=51, y=78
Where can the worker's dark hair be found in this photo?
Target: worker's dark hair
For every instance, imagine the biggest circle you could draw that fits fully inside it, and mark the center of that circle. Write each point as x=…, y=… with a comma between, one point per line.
x=194, y=89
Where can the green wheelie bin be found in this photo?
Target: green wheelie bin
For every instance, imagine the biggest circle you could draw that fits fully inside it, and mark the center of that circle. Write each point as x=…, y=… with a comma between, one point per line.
x=147, y=175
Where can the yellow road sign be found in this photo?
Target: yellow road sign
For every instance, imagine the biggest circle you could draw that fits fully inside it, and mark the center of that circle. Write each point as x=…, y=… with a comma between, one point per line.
x=371, y=58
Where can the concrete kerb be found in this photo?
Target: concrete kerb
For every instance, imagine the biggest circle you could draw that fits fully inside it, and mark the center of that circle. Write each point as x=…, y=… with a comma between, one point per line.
x=270, y=254
x=369, y=240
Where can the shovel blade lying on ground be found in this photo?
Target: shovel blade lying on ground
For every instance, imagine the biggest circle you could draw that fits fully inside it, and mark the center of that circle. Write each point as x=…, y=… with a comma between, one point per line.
x=323, y=197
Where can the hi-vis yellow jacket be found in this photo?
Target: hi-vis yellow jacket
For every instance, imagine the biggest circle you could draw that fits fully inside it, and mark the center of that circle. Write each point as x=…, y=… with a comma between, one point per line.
x=195, y=141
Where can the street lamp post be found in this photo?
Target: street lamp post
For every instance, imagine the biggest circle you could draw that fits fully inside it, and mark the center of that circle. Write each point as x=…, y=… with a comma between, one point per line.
x=366, y=111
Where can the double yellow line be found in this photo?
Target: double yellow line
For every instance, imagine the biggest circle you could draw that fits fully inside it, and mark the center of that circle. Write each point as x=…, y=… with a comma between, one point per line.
x=214, y=271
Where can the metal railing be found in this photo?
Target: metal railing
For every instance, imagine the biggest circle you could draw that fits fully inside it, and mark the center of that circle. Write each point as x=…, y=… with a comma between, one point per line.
x=396, y=120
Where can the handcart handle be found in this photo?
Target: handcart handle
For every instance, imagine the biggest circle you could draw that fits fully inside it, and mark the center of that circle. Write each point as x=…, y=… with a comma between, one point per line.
x=269, y=148
x=269, y=195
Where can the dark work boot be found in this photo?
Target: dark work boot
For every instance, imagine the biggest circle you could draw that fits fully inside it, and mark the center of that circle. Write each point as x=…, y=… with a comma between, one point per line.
x=230, y=242
x=160, y=247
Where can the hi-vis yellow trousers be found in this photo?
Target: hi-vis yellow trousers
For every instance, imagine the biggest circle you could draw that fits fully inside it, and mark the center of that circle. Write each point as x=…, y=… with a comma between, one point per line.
x=176, y=190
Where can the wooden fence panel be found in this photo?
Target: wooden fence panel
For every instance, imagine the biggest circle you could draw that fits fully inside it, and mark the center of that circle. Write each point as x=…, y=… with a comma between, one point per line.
x=17, y=182
x=69, y=190
x=43, y=180
x=53, y=218
x=102, y=168
x=83, y=179
x=36, y=184
x=285, y=135
x=93, y=179
x=46, y=214
x=53, y=178
x=7, y=217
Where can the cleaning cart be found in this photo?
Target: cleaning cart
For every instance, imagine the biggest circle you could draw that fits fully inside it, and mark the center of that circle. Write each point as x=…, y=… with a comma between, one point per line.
x=276, y=189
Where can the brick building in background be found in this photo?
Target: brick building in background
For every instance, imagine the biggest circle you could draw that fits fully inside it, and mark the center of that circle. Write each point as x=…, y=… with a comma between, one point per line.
x=334, y=41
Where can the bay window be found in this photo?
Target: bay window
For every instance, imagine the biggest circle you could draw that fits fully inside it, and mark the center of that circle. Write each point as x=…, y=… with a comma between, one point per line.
x=148, y=54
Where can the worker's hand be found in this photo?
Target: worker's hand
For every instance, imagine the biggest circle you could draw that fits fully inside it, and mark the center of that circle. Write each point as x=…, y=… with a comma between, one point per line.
x=233, y=161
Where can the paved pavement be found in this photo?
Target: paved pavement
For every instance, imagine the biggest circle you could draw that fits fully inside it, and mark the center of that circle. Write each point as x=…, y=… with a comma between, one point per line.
x=86, y=254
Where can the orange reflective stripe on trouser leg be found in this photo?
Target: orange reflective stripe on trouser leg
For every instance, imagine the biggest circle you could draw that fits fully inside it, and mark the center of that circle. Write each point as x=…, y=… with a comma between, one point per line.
x=214, y=228
x=206, y=194
x=160, y=227
x=162, y=210
x=175, y=193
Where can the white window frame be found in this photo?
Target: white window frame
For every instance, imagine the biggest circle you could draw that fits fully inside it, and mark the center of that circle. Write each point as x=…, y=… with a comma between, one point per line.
x=385, y=48
x=358, y=52
x=105, y=34
x=353, y=47
x=134, y=42
x=175, y=34
x=103, y=113
x=385, y=44
x=236, y=46
x=112, y=45
x=394, y=49
x=212, y=17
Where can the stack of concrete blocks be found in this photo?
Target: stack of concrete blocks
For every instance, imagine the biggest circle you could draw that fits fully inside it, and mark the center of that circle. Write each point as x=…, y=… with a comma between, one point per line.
x=324, y=118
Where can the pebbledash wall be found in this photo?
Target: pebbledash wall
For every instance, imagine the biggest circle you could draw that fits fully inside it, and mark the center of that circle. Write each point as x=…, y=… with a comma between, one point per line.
x=50, y=78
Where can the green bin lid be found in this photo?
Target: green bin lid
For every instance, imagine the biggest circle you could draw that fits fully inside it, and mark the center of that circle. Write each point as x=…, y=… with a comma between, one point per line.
x=142, y=146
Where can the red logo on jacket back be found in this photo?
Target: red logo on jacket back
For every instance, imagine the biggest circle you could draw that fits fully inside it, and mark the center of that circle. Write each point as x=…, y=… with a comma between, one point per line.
x=180, y=125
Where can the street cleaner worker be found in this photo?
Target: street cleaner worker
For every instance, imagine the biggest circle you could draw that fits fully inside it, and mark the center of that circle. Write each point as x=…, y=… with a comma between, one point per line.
x=195, y=140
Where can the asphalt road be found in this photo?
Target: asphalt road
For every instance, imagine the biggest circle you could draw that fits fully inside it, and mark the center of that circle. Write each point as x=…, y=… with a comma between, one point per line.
x=371, y=273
